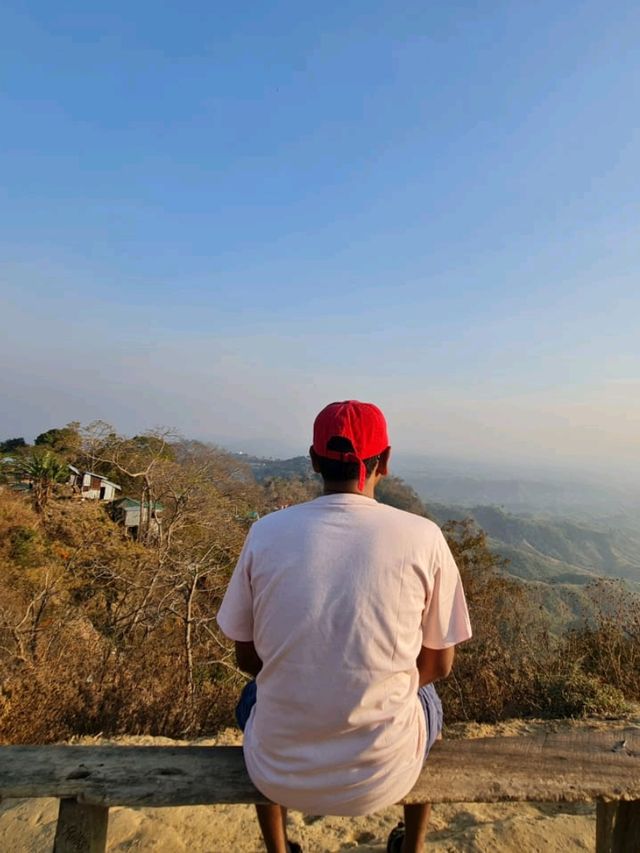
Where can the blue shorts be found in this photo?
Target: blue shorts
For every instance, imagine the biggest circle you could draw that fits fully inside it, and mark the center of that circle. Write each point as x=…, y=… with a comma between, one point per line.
x=429, y=699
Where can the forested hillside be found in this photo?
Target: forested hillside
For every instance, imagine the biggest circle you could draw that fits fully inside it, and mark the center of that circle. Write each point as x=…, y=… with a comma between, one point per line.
x=103, y=629
x=544, y=548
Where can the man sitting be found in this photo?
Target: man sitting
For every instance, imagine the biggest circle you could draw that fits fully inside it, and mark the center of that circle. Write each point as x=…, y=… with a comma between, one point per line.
x=345, y=611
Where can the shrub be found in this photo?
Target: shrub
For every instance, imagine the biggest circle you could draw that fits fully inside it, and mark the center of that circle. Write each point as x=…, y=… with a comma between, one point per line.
x=24, y=543
x=576, y=694
x=513, y=667
x=609, y=647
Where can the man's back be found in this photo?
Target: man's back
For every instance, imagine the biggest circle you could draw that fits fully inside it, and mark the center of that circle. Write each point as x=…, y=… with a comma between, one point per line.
x=338, y=595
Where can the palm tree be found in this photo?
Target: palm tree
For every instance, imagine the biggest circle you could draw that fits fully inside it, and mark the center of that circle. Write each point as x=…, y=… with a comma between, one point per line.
x=43, y=469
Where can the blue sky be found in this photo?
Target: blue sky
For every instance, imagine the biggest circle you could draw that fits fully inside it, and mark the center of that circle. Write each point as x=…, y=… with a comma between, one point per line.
x=221, y=216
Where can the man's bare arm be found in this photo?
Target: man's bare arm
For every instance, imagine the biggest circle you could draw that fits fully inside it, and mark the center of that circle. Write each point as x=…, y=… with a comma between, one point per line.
x=247, y=658
x=434, y=664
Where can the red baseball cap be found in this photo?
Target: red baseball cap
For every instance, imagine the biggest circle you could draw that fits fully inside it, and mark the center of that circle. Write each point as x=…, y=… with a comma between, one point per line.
x=362, y=423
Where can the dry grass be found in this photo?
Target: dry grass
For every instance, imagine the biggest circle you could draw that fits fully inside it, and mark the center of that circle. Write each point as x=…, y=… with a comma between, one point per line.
x=101, y=635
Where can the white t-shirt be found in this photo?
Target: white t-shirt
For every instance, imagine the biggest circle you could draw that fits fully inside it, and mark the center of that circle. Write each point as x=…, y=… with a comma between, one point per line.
x=338, y=595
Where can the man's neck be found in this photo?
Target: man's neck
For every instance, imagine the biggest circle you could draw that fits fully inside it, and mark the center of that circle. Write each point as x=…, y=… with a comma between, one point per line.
x=350, y=488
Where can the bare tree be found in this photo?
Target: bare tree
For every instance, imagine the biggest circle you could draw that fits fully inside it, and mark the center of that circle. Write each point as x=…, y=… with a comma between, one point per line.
x=139, y=460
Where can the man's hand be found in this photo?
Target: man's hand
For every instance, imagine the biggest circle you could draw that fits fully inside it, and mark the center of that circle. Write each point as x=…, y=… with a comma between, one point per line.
x=247, y=658
x=434, y=664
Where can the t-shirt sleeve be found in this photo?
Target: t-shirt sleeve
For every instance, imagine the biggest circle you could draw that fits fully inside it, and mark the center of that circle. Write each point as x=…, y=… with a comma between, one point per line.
x=235, y=616
x=445, y=621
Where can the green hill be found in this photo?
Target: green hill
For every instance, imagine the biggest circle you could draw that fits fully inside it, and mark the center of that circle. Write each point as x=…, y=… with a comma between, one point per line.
x=556, y=558
x=554, y=549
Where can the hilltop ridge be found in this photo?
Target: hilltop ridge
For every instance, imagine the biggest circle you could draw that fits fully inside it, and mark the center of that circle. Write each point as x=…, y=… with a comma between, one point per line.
x=551, y=547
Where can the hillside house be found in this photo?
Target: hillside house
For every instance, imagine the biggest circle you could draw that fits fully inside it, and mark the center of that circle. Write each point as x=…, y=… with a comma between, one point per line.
x=92, y=486
x=127, y=512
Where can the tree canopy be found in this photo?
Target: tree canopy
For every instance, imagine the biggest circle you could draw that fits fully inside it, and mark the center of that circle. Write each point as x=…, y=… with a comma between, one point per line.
x=42, y=469
x=11, y=444
x=65, y=440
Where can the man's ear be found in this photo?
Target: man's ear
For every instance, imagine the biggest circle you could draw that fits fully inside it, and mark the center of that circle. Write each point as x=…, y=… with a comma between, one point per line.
x=314, y=460
x=382, y=467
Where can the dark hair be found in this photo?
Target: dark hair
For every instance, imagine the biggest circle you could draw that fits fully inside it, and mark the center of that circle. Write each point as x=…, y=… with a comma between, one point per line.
x=335, y=471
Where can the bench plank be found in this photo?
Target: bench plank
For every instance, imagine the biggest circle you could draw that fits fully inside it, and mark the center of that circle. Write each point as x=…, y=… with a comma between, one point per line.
x=573, y=766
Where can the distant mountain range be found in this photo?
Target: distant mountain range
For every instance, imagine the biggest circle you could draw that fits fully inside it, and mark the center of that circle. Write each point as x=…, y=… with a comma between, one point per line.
x=547, y=492
x=558, y=534
x=263, y=467
x=558, y=537
x=559, y=550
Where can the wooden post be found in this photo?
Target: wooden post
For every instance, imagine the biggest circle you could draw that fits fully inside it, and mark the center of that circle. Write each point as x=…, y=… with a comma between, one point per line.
x=618, y=827
x=81, y=828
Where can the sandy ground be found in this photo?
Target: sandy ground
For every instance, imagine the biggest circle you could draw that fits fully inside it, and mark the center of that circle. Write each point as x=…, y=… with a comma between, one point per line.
x=28, y=826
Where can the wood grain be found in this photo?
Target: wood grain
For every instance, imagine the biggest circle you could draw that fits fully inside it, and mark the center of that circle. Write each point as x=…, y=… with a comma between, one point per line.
x=569, y=767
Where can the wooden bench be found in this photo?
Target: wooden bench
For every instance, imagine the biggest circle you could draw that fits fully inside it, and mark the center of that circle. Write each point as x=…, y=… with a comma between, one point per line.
x=579, y=766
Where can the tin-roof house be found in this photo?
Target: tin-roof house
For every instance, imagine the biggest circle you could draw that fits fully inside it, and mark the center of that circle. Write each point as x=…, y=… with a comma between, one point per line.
x=127, y=512
x=92, y=486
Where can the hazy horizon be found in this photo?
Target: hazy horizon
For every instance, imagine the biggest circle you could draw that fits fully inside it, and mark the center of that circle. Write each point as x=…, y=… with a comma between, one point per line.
x=405, y=459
